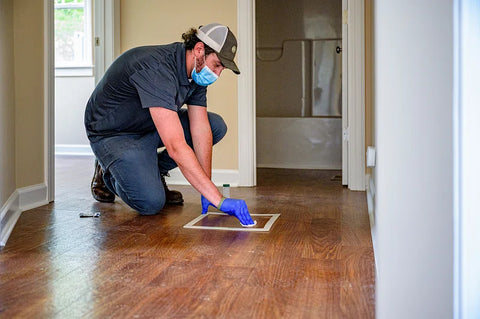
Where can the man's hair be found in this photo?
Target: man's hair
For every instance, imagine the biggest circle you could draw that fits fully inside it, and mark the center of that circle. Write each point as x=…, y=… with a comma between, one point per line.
x=190, y=39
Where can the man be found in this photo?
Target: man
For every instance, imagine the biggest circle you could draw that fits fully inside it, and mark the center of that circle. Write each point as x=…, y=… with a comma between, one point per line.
x=136, y=109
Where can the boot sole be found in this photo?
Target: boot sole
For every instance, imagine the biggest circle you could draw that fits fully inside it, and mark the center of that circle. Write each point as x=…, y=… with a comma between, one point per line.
x=102, y=200
x=174, y=202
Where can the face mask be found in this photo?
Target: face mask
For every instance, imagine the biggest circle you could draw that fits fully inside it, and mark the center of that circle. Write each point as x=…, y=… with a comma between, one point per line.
x=205, y=77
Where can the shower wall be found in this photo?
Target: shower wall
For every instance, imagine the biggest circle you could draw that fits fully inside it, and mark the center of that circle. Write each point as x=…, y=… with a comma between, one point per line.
x=299, y=83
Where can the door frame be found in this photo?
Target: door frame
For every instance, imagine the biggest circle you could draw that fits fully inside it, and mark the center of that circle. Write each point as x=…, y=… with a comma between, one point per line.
x=247, y=154
x=466, y=172
x=49, y=98
x=344, y=92
x=355, y=130
x=106, y=28
x=356, y=94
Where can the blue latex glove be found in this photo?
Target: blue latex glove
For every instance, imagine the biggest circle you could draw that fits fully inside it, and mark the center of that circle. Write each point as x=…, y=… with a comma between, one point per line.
x=233, y=207
x=237, y=208
x=205, y=204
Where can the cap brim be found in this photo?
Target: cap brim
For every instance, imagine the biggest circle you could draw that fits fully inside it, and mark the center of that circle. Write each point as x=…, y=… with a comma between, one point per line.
x=229, y=64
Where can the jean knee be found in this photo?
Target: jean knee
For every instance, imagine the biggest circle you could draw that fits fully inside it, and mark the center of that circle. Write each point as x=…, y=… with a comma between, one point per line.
x=150, y=205
x=218, y=125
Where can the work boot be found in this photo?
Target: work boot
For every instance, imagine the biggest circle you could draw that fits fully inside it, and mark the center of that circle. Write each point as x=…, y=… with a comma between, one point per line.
x=171, y=197
x=99, y=190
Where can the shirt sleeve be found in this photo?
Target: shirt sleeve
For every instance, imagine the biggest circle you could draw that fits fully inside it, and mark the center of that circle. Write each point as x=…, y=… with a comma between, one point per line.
x=198, y=97
x=155, y=88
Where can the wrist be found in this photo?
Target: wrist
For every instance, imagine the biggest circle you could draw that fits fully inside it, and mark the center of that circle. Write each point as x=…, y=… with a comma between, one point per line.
x=221, y=202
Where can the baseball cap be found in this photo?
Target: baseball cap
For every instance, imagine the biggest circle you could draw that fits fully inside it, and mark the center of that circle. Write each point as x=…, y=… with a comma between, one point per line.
x=222, y=40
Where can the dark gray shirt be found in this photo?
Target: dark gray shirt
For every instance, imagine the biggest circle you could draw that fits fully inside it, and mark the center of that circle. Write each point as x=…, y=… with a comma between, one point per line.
x=140, y=78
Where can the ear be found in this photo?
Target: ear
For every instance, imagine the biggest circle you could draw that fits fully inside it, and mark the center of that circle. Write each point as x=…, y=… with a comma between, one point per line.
x=199, y=49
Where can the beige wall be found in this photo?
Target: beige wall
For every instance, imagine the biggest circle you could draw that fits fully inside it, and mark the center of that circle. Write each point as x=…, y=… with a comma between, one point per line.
x=7, y=103
x=28, y=52
x=146, y=22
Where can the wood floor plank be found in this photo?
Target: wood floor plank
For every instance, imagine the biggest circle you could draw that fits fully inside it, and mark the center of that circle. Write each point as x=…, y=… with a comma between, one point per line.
x=316, y=262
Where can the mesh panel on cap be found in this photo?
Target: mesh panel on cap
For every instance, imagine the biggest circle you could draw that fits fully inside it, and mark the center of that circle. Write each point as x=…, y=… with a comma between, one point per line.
x=218, y=34
x=214, y=32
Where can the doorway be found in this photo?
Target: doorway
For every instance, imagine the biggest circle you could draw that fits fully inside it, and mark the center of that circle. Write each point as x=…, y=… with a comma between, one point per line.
x=299, y=84
x=353, y=128
x=74, y=74
x=74, y=83
x=64, y=131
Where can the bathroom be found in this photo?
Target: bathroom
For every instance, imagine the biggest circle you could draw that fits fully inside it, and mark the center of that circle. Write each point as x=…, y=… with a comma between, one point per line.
x=299, y=84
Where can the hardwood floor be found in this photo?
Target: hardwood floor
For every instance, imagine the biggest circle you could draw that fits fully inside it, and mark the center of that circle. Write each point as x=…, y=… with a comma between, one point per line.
x=316, y=262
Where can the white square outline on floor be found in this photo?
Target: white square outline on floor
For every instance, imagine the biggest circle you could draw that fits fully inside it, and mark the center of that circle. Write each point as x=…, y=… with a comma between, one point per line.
x=268, y=225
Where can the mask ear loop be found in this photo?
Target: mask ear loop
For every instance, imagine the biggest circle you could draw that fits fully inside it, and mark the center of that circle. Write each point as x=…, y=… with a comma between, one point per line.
x=195, y=62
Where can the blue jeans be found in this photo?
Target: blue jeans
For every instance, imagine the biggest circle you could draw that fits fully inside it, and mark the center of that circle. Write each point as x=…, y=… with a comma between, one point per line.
x=132, y=167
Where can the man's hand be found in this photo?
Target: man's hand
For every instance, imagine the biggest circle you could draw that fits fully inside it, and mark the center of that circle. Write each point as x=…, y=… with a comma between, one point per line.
x=205, y=204
x=237, y=208
x=233, y=207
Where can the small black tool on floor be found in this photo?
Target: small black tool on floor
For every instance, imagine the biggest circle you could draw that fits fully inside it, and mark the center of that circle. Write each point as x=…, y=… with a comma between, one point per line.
x=90, y=214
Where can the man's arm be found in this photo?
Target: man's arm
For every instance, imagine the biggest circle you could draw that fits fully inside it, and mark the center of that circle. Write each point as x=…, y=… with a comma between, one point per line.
x=171, y=132
x=202, y=137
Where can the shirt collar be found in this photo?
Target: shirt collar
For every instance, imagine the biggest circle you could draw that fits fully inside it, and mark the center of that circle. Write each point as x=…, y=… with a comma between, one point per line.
x=181, y=65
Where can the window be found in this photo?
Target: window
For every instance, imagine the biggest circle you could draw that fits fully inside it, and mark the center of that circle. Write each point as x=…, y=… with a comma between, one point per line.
x=73, y=37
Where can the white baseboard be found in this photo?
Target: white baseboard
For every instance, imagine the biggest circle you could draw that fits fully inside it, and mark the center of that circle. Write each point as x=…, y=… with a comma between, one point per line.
x=370, y=199
x=32, y=196
x=73, y=149
x=8, y=217
x=22, y=199
x=219, y=177
x=371, y=213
